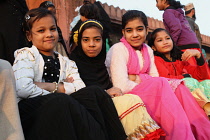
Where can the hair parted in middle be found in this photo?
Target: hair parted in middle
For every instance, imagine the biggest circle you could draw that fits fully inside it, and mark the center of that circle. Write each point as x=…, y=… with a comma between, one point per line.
x=134, y=14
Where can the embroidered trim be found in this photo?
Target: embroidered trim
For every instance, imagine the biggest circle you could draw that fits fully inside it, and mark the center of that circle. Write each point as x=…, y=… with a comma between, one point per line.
x=131, y=109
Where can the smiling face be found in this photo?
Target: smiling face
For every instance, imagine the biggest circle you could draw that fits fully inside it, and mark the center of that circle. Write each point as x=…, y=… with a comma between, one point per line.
x=44, y=35
x=163, y=43
x=91, y=41
x=135, y=33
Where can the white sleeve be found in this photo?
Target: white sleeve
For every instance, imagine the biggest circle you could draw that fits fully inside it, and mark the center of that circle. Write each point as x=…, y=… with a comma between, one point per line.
x=72, y=71
x=116, y=63
x=153, y=69
x=24, y=76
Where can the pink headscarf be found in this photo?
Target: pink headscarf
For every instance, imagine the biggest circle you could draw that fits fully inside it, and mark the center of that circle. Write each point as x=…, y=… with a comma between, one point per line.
x=133, y=61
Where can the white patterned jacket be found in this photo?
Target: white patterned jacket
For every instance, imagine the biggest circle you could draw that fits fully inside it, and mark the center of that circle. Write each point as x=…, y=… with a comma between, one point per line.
x=28, y=68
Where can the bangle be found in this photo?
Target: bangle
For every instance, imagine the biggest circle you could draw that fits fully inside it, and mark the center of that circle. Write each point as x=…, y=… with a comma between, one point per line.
x=56, y=87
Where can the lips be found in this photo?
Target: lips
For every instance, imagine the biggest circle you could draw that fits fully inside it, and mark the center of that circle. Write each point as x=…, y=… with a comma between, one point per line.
x=51, y=40
x=91, y=51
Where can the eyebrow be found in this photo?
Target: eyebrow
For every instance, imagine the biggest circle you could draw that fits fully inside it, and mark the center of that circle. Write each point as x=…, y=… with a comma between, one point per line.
x=93, y=37
x=45, y=27
x=136, y=27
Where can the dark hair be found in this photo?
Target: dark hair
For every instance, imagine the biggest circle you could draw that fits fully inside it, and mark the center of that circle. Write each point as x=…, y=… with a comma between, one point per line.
x=34, y=15
x=86, y=2
x=90, y=11
x=46, y=4
x=175, y=52
x=134, y=14
x=187, y=12
x=175, y=4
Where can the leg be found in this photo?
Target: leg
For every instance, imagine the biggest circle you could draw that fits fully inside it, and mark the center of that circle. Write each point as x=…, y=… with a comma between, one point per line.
x=101, y=106
x=164, y=108
x=57, y=117
x=196, y=115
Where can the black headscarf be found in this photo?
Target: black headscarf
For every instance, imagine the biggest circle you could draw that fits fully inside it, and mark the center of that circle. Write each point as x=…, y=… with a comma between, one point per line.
x=92, y=70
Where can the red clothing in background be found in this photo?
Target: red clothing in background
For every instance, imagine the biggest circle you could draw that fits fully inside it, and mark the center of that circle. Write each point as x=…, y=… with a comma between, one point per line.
x=178, y=68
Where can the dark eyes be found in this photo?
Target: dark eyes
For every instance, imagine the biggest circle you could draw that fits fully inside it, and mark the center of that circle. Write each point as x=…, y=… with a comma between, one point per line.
x=84, y=40
x=43, y=30
x=97, y=40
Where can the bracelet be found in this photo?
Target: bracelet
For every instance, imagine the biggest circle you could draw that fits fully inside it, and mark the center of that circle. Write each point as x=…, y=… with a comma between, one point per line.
x=56, y=87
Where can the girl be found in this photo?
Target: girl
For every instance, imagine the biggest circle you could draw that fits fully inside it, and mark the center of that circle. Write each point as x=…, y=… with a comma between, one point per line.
x=179, y=28
x=53, y=101
x=172, y=63
x=61, y=45
x=89, y=56
x=132, y=69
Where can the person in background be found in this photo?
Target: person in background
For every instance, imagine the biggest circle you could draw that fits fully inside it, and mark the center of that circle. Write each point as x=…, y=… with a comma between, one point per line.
x=87, y=11
x=10, y=126
x=92, y=11
x=172, y=63
x=12, y=37
x=61, y=46
x=191, y=17
x=178, y=27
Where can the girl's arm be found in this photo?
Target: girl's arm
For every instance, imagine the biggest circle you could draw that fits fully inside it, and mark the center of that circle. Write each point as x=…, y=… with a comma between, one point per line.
x=72, y=71
x=24, y=75
x=172, y=24
x=200, y=71
x=116, y=63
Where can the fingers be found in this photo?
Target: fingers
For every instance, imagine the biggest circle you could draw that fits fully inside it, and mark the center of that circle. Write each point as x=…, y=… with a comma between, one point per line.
x=69, y=80
x=190, y=53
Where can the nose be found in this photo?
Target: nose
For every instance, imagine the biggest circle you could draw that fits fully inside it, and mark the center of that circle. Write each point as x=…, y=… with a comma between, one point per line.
x=135, y=33
x=92, y=43
x=49, y=33
x=165, y=41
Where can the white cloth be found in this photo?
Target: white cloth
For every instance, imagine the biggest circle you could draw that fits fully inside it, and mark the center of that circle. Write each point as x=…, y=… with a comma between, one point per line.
x=75, y=19
x=10, y=126
x=28, y=68
x=116, y=63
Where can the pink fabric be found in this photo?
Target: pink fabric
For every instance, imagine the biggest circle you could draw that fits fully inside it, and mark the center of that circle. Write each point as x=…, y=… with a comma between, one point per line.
x=133, y=61
x=178, y=114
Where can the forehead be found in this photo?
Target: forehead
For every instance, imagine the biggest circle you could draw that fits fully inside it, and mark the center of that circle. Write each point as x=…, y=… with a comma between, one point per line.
x=134, y=23
x=161, y=33
x=91, y=32
x=44, y=21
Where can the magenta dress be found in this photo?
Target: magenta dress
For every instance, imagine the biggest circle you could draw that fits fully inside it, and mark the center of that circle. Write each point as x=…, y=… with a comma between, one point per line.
x=174, y=109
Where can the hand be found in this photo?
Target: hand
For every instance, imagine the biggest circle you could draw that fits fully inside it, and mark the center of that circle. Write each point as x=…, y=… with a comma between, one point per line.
x=114, y=91
x=132, y=77
x=69, y=80
x=190, y=53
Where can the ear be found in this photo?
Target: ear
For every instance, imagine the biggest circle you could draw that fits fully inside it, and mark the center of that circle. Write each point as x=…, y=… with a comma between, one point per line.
x=123, y=32
x=28, y=35
x=147, y=30
x=154, y=49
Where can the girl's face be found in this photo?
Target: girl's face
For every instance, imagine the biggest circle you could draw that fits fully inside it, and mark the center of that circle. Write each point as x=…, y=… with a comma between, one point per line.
x=161, y=4
x=91, y=42
x=135, y=33
x=163, y=43
x=44, y=35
